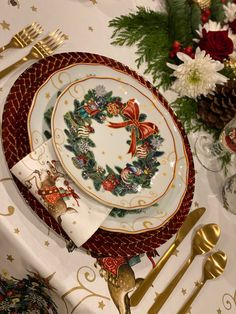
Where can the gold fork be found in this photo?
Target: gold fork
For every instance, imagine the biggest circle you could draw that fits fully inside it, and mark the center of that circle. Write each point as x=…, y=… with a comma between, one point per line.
x=25, y=37
x=40, y=50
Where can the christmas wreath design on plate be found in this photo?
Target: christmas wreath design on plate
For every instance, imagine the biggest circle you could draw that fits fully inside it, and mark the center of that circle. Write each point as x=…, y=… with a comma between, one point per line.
x=144, y=143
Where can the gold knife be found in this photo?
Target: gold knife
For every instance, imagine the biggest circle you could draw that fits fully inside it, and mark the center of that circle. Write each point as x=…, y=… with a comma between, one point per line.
x=188, y=224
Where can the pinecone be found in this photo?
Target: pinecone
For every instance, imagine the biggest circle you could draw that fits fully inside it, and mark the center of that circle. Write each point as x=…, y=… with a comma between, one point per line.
x=218, y=109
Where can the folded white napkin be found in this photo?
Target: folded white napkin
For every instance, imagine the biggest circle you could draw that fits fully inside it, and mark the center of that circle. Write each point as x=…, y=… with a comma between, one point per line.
x=79, y=215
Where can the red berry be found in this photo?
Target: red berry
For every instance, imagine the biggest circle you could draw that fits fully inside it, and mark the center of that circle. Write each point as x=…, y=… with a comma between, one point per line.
x=172, y=54
x=204, y=19
x=192, y=55
x=188, y=50
x=207, y=12
x=176, y=45
x=1, y=297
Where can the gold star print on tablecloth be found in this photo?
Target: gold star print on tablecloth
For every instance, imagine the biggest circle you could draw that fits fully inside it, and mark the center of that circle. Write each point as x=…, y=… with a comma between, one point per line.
x=184, y=291
x=90, y=28
x=5, y=25
x=101, y=305
x=16, y=231
x=46, y=243
x=5, y=273
x=219, y=311
x=196, y=204
x=197, y=284
x=10, y=258
x=93, y=1
x=34, y=9
x=176, y=252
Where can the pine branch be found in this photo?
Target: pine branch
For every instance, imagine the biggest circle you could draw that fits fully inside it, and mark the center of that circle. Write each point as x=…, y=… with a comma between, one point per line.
x=149, y=31
x=180, y=28
x=186, y=110
x=131, y=28
x=195, y=18
x=217, y=12
x=228, y=72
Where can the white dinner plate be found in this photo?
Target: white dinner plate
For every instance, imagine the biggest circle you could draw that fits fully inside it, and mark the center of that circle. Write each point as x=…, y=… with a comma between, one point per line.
x=111, y=138
x=135, y=221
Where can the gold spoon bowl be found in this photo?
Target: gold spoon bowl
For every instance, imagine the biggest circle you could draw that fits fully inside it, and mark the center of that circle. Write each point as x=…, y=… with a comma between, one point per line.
x=204, y=241
x=213, y=268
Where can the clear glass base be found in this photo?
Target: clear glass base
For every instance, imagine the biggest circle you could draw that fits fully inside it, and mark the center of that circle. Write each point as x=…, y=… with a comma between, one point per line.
x=208, y=152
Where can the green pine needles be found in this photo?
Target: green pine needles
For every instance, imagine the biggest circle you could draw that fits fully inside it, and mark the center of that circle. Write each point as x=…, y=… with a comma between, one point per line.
x=154, y=33
x=150, y=32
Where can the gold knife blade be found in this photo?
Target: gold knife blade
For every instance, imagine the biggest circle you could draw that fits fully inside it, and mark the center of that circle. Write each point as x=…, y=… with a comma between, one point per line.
x=188, y=224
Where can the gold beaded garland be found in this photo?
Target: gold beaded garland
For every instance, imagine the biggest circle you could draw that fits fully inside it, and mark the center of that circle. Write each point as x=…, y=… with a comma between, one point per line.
x=203, y=4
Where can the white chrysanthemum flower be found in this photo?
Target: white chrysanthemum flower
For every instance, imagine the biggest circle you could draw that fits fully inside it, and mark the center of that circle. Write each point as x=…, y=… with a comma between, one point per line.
x=230, y=12
x=210, y=26
x=199, y=76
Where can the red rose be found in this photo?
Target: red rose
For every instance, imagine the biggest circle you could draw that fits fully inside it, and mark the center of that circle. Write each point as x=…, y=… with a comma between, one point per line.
x=217, y=44
x=232, y=25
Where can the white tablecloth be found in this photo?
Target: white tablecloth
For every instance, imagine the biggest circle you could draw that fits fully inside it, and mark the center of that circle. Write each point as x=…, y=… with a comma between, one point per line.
x=27, y=244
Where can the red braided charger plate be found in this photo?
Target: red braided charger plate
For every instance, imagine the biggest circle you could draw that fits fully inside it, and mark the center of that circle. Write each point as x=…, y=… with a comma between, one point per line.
x=16, y=146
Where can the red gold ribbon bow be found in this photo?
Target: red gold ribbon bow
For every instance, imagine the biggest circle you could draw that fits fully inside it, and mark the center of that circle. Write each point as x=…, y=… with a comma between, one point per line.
x=145, y=129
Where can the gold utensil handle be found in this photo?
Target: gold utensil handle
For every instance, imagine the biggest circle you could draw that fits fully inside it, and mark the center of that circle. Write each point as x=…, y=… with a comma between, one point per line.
x=3, y=48
x=138, y=294
x=13, y=67
x=191, y=220
x=161, y=298
x=184, y=309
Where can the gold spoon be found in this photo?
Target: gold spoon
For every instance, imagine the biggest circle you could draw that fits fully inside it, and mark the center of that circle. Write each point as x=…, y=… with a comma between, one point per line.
x=204, y=240
x=213, y=268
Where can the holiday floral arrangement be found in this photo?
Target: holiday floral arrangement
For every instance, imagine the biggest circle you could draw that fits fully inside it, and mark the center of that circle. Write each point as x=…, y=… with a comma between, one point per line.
x=190, y=48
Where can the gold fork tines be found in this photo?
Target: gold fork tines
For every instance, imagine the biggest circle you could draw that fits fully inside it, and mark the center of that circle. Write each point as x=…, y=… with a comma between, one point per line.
x=25, y=37
x=40, y=50
x=46, y=47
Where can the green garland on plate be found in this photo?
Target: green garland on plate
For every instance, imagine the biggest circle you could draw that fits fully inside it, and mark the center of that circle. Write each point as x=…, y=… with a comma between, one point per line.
x=99, y=105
